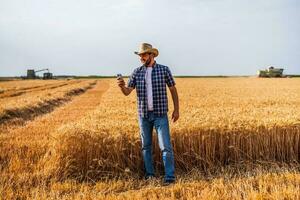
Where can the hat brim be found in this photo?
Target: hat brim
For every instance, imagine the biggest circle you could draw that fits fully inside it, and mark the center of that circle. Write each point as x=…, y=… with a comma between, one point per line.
x=153, y=50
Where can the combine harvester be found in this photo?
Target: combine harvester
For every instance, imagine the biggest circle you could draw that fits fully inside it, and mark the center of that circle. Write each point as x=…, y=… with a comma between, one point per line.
x=271, y=72
x=31, y=74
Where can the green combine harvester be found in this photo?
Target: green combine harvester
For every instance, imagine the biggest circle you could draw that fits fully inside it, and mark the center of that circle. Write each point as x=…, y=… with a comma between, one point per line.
x=270, y=72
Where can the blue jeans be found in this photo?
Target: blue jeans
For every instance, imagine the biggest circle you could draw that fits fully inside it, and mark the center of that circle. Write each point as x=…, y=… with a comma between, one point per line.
x=161, y=124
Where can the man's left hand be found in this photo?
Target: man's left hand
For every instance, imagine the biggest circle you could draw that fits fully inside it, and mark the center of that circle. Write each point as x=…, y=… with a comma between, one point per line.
x=175, y=115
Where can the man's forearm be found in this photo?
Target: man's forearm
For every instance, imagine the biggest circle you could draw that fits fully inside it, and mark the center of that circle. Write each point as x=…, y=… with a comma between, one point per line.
x=125, y=90
x=175, y=99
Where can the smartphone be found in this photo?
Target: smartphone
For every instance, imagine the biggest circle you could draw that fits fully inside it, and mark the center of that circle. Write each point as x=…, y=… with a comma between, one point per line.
x=119, y=76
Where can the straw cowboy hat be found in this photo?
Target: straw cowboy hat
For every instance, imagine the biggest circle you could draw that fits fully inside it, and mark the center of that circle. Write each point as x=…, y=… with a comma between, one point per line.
x=147, y=48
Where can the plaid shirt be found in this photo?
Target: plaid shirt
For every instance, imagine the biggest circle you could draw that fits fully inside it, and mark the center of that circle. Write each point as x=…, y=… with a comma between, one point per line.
x=161, y=75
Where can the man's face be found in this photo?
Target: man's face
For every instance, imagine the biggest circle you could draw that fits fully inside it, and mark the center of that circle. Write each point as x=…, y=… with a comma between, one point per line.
x=145, y=58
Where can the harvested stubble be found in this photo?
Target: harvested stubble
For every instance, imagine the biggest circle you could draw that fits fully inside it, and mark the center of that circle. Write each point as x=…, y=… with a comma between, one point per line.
x=223, y=122
x=21, y=108
x=17, y=91
x=17, y=85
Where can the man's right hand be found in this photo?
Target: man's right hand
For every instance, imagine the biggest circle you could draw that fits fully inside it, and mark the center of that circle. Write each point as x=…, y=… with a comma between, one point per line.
x=121, y=82
x=125, y=90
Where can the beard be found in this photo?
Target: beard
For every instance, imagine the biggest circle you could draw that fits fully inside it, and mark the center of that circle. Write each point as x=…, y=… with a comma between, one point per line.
x=146, y=62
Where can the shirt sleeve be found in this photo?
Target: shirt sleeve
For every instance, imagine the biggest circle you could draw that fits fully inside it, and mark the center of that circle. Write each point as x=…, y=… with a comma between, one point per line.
x=169, y=78
x=132, y=80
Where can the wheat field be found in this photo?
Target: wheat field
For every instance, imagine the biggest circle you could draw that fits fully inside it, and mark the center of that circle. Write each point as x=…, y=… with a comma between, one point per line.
x=236, y=138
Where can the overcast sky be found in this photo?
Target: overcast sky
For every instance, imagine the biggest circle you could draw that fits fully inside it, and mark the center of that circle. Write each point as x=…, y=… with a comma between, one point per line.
x=194, y=37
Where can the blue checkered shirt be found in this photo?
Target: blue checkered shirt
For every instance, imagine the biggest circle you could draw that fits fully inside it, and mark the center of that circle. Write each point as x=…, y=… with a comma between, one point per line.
x=161, y=75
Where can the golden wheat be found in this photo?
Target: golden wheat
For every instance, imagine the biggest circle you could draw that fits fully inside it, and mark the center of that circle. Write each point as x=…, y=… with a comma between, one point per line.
x=237, y=138
x=223, y=121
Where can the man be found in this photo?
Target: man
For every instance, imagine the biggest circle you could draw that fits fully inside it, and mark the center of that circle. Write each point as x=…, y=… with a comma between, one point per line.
x=150, y=81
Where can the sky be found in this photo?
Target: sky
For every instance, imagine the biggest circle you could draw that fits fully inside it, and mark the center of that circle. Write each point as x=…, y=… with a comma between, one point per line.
x=194, y=37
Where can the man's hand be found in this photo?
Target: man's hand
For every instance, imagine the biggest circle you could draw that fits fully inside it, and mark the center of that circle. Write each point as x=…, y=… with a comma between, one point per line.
x=175, y=115
x=125, y=90
x=121, y=82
